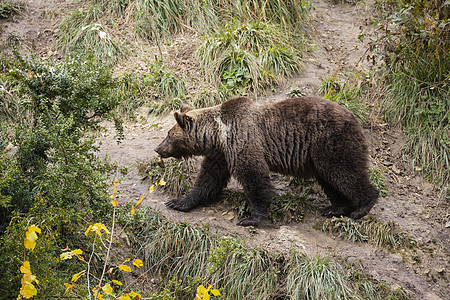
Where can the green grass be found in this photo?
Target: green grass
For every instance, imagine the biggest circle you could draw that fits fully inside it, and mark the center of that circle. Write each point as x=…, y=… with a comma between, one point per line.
x=13, y=102
x=346, y=91
x=290, y=14
x=376, y=176
x=316, y=278
x=211, y=97
x=157, y=20
x=289, y=207
x=178, y=174
x=249, y=56
x=167, y=88
x=84, y=32
x=7, y=9
x=133, y=94
x=243, y=272
x=416, y=76
x=284, y=209
x=418, y=98
x=368, y=230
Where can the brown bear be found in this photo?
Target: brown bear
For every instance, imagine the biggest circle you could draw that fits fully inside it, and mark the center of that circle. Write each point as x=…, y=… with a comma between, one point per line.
x=301, y=137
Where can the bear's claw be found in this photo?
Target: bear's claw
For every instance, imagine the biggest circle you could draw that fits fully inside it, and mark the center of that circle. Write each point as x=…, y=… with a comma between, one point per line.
x=332, y=211
x=178, y=204
x=248, y=222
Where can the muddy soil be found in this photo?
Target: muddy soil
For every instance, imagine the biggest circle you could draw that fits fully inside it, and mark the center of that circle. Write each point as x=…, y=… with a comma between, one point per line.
x=412, y=203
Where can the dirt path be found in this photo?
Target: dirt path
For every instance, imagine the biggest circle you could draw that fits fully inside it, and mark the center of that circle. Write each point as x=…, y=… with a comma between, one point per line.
x=412, y=204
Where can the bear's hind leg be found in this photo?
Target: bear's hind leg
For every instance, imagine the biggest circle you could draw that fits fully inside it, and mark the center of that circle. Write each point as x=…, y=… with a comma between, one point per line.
x=212, y=179
x=340, y=206
x=354, y=194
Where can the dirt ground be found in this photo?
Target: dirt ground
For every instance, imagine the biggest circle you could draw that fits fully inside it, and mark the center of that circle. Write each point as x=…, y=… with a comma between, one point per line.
x=413, y=204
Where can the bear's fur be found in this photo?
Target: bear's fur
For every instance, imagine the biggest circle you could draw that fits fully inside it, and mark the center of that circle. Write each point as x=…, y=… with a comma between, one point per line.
x=301, y=137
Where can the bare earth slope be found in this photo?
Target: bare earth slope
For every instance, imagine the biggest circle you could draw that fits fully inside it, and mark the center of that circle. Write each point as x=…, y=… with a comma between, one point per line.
x=411, y=203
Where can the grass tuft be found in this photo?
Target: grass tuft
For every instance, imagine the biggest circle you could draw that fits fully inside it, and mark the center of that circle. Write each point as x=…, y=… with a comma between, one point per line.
x=418, y=98
x=376, y=176
x=316, y=278
x=241, y=271
x=84, y=33
x=285, y=208
x=169, y=249
x=346, y=91
x=7, y=9
x=249, y=56
x=211, y=97
x=369, y=231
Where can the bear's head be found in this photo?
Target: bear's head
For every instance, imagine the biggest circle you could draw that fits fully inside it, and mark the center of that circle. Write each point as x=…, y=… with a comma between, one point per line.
x=178, y=142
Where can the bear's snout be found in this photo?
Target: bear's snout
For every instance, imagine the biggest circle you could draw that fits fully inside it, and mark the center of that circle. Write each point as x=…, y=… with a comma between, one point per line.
x=160, y=150
x=165, y=149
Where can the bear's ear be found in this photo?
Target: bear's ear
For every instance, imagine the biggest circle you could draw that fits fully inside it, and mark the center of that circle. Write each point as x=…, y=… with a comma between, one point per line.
x=183, y=120
x=185, y=108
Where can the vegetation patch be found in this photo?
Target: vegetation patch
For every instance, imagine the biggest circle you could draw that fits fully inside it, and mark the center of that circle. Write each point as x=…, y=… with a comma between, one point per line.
x=368, y=230
x=376, y=176
x=416, y=63
x=85, y=33
x=8, y=8
x=51, y=176
x=133, y=94
x=178, y=174
x=167, y=88
x=212, y=97
x=346, y=91
x=243, y=272
x=249, y=56
x=316, y=278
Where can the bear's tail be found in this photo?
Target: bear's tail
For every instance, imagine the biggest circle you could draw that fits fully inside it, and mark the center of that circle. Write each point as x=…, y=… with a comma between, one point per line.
x=367, y=206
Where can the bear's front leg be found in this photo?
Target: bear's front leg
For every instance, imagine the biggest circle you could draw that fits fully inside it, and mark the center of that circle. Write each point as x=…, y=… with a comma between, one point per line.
x=212, y=179
x=255, y=179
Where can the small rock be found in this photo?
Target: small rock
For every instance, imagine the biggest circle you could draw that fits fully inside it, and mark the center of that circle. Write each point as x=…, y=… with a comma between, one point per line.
x=447, y=225
x=396, y=170
x=387, y=163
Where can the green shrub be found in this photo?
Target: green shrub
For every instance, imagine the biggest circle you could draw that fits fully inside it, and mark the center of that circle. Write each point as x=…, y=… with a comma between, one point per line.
x=60, y=228
x=53, y=178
